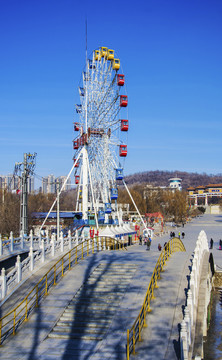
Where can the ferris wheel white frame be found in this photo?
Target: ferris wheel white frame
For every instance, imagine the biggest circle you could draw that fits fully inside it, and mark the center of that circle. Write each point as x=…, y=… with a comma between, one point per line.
x=83, y=154
x=99, y=130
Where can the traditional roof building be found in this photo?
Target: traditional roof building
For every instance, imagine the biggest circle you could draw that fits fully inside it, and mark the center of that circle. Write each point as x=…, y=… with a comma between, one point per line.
x=205, y=192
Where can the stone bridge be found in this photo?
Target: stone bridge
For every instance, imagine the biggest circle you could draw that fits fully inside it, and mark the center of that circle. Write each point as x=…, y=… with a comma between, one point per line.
x=87, y=314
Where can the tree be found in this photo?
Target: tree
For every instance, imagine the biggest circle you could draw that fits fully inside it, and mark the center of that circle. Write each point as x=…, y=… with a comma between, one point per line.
x=9, y=213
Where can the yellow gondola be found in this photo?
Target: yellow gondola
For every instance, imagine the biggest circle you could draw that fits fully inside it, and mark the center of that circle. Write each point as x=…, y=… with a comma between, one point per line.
x=97, y=55
x=110, y=54
x=116, y=64
x=103, y=51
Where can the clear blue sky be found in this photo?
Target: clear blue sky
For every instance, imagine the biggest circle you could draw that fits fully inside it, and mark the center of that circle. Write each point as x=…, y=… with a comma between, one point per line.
x=171, y=55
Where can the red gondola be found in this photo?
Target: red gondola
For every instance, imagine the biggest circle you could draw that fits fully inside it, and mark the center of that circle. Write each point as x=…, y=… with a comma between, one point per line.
x=123, y=150
x=77, y=164
x=76, y=179
x=75, y=145
x=76, y=127
x=120, y=79
x=123, y=100
x=124, y=125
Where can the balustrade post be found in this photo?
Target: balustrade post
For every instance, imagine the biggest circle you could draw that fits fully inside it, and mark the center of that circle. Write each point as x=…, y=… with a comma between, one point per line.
x=188, y=321
x=31, y=255
x=11, y=242
x=22, y=239
x=70, y=239
x=47, y=237
x=190, y=305
x=1, y=246
x=183, y=342
x=31, y=238
x=61, y=241
x=4, y=283
x=192, y=287
x=19, y=269
x=40, y=240
x=53, y=245
x=43, y=250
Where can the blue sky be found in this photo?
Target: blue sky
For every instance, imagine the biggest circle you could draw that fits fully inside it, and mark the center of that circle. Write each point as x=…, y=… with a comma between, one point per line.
x=171, y=55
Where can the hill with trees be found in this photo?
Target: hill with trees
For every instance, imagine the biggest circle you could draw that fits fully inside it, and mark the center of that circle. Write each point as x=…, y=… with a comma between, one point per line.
x=161, y=178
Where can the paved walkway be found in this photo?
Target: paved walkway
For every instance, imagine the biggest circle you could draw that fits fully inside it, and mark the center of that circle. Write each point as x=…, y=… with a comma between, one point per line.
x=33, y=341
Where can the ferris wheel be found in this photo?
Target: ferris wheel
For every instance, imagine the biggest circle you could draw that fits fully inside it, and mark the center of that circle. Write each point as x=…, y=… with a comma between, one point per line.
x=101, y=136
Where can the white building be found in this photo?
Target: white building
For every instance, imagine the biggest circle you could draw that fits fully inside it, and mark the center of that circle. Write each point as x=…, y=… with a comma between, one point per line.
x=175, y=184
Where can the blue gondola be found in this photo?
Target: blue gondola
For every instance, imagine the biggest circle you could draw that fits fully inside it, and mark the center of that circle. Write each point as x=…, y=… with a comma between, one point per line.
x=92, y=65
x=108, y=208
x=78, y=108
x=101, y=216
x=114, y=194
x=86, y=76
x=119, y=174
x=81, y=91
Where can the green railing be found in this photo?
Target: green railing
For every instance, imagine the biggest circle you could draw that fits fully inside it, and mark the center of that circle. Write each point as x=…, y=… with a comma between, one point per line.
x=10, y=322
x=134, y=334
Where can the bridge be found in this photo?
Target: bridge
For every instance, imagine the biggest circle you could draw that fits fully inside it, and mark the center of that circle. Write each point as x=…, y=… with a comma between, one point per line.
x=87, y=313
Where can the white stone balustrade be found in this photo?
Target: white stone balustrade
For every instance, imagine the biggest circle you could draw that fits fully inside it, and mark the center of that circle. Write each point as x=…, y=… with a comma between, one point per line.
x=190, y=311
x=40, y=249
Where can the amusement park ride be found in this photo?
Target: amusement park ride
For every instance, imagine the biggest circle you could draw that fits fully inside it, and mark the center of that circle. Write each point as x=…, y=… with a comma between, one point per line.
x=101, y=139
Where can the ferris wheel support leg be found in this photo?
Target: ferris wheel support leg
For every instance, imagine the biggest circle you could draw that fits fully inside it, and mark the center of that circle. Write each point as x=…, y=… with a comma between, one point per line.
x=64, y=184
x=93, y=198
x=134, y=204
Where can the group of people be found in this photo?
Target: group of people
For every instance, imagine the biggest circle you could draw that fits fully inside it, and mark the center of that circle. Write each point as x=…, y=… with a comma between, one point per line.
x=147, y=241
x=212, y=244
x=172, y=234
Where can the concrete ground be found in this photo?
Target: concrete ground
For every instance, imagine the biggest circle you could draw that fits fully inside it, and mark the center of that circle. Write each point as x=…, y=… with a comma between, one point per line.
x=160, y=338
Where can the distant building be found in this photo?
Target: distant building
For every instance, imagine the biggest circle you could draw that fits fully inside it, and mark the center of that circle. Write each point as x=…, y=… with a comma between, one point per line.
x=13, y=183
x=201, y=195
x=62, y=180
x=175, y=184
x=49, y=184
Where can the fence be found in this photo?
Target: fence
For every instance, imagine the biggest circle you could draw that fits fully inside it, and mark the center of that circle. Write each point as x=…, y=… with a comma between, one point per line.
x=134, y=334
x=11, y=321
x=13, y=245
x=40, y=250
x=187, y=332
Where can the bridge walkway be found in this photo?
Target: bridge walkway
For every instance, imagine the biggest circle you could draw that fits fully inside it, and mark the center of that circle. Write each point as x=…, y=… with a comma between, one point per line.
x=34, y=340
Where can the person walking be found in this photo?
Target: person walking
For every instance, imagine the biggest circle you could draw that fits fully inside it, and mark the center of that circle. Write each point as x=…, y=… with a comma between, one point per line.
x=220, y=244
x=211, y=243
x=179, y=234
x=140, y=239
x=183, y=234
x=159, y=247
x=148, y=244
